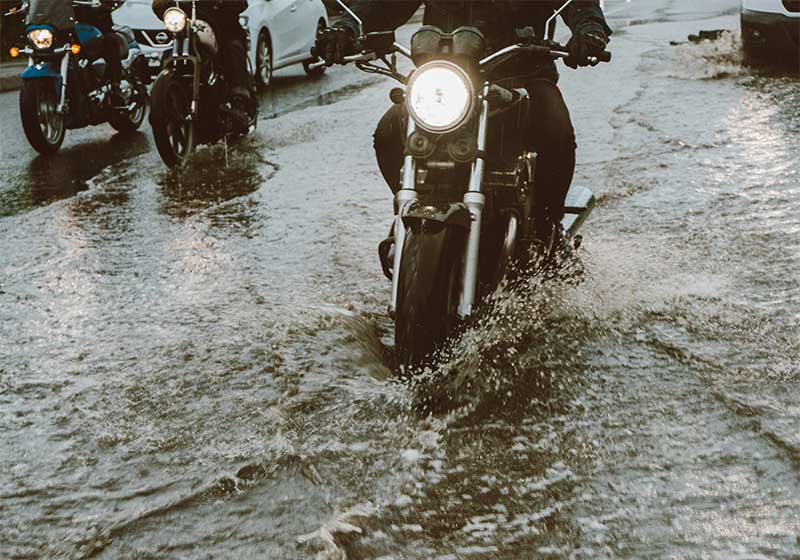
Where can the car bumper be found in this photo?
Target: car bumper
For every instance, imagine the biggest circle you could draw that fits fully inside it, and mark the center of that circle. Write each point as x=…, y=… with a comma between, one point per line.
x=764, y=32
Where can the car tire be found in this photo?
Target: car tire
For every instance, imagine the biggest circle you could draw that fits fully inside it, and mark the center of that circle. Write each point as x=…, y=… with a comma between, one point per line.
x=263, y=60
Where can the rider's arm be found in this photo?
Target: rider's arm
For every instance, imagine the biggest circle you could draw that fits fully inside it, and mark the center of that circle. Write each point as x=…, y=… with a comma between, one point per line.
x=585, y=13
x=379, y=15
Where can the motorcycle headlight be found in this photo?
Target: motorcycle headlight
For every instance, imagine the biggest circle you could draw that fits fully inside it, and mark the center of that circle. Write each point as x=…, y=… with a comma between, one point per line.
x=41, y=38
x=174, y=20
x=440, y=96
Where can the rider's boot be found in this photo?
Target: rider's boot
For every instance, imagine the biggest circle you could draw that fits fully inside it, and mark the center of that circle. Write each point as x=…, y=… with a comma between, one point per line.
x=239, y=110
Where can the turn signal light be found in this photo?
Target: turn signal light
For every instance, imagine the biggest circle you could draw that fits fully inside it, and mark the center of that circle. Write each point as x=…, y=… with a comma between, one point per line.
x=14, y=52
x=75, y=49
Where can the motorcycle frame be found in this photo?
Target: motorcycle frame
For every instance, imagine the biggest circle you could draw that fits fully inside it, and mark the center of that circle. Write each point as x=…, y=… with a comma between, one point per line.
x=474, y=199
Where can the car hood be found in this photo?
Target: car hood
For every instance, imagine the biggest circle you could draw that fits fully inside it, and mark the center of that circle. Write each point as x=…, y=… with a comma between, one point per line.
x=137, y=14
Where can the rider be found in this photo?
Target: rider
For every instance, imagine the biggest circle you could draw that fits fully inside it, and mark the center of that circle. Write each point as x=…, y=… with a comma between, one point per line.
x=100, y=17
x=547, y=130
x=223, y=16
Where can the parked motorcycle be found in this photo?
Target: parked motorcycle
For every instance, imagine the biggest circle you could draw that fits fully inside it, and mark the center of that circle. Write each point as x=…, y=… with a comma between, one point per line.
x=66, y=84
x=464, y=219
x=190, y=96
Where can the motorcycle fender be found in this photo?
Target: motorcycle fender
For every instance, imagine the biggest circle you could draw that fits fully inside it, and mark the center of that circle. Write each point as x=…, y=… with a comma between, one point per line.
x=42, y=70
x=447, y=213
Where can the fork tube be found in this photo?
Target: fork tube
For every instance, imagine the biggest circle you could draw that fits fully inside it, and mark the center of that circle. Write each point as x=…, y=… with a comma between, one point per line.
x=64, y=71
x=475, y=201
x=404, y=196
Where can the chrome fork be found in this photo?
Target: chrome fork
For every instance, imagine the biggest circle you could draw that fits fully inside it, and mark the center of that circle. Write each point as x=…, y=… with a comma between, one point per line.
x=406, y=195
x=64, y=69
x=475, y=201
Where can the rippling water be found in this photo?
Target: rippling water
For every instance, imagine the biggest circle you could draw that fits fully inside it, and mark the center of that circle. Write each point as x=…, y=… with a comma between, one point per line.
x=196, y=365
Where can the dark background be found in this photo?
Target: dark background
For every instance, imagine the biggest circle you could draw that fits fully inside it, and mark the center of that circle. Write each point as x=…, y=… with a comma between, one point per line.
x=11, y=28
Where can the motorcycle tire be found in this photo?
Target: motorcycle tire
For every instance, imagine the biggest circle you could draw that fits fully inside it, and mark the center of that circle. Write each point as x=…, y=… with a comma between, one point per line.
x=44, y=127
x=429, y=290
x=173, y=131
x=129, y=121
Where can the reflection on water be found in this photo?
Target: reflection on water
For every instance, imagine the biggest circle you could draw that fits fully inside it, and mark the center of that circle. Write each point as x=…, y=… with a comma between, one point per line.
x=52, y=178
x=213, y=176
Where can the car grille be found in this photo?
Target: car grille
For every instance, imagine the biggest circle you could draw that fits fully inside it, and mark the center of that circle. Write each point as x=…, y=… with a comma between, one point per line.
x=792, y=5
x=153, y=37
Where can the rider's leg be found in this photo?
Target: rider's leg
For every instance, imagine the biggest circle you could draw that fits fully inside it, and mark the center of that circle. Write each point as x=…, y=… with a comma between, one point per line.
x=233, y=43
x=551, y=136
x=388, y=142
x=101, y=19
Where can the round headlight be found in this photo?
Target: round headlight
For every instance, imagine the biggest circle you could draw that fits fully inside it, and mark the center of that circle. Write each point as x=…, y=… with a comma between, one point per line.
x=174, y=20
x=440, y=96
x=41, y=38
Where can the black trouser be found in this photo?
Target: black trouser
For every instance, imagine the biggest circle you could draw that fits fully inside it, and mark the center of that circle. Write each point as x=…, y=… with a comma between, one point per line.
x=101, y=19
x=545, y=129
x=232, y=40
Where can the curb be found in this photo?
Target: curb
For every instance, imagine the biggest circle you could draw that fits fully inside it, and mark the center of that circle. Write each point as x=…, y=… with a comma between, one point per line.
x=10, y=83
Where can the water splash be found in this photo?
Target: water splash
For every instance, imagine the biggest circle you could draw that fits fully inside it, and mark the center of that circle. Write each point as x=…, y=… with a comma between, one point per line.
x=709, y=59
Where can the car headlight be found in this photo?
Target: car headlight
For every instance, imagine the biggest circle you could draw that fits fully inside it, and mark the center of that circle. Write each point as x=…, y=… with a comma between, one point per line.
x=41, y=38
x=440, y=96
x=174, y=20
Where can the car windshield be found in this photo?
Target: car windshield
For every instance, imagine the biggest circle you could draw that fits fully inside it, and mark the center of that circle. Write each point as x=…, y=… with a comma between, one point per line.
x=56, y=13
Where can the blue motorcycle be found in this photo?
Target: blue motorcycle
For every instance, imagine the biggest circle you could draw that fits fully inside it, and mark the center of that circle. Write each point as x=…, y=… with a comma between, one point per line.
x=66, y=84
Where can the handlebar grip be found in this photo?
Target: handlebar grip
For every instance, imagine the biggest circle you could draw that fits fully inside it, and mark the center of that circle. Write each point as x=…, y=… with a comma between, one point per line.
x=604, y=57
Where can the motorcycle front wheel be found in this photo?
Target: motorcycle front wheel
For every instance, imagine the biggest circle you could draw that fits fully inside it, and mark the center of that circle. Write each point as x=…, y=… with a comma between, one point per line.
x=173, y=130
x=38, y=108
x=429, y=289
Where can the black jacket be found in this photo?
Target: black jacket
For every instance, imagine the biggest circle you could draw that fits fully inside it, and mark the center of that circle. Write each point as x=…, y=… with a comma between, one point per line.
x=498, y=20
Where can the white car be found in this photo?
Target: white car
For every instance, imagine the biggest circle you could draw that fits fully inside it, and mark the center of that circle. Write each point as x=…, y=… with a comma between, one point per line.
x=771, y=27
x=282, y=33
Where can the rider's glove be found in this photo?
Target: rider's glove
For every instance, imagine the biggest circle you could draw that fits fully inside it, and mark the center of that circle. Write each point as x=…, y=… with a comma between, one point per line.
x=589, y=41
x=335, y=43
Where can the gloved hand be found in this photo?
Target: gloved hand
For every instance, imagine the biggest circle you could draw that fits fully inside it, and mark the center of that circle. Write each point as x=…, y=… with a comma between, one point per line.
x=589, y=41
x=335, y=43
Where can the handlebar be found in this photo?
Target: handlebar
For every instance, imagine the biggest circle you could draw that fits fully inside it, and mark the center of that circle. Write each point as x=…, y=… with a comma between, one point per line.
x=554, y=51
x=22, y=9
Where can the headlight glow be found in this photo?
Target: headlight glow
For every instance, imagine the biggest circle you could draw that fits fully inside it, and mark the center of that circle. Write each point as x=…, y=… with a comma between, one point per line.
x=439, y=96
x=174, y=20
x=41, y=38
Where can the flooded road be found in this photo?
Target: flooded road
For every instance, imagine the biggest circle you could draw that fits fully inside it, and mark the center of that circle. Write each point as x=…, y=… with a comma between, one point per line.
x=195, y=365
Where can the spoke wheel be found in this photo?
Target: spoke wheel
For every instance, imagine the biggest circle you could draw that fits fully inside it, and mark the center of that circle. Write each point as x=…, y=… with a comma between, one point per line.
x=43, y=124
x=263, y=60
x=173, y=130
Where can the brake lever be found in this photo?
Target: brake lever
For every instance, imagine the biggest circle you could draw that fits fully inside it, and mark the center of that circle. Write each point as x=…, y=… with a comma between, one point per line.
x=22, y=9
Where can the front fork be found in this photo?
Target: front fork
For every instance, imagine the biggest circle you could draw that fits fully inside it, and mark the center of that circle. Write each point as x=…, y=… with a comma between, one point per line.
x=474, y=200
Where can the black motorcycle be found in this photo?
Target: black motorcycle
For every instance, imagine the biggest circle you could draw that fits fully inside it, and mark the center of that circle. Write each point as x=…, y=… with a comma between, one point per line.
x=464, y=218
x=189, y=102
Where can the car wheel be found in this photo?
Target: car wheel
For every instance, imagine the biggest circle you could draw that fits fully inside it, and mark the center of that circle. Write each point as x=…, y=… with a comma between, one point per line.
x=320, y=70
x=263, y=60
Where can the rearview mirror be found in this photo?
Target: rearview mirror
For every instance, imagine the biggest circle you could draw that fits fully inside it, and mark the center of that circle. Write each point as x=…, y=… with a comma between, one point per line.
x=550, y=24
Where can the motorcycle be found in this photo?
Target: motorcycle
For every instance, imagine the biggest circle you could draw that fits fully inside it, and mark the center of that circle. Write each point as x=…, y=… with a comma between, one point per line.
x=66, y=84
x=464, y=218
x=190, y=96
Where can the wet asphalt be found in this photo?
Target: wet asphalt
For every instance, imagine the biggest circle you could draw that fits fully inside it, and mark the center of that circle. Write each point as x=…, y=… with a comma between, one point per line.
x=195, y=364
